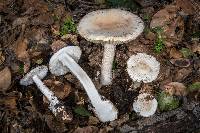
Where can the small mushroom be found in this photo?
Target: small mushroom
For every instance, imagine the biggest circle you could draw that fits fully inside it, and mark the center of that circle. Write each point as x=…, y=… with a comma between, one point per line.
x=35, y=76
x=110, y=27
x=145, y=105
x=56, y=67
x=63, y=60
x=143, y=67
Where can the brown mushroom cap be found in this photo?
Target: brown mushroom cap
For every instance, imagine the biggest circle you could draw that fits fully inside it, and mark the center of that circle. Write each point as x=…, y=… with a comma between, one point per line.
x=113, y=26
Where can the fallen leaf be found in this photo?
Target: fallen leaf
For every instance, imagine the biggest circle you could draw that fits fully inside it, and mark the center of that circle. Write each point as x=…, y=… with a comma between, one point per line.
x=5, y=79
x=60, y=89
x=54, y=125
x=175, y=88
x=9, y=100
x=93, y=120
x=20, y=21
x=88, y=129
x=175, y=54
x=171, y=23
x=196, y=48
x=57, y=45
x=180, y=62
x=186, y=6
x=72, y=38
x=2, y=58
x=43, y=20
x=20, y=49
x=181, y=74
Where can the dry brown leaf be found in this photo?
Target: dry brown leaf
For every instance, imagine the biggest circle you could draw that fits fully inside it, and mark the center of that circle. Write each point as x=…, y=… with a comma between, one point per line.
x=2, y=58
x=20, y=49
x=186, y=6
x=71, y=38
x=5, y=79
x=196, y=47
x=57, y=45
x=43, y=19
x=180, y=62
x=175, y=88
x=182, y=74
x=88, y=129
x=93, y=120
x=172, y=24
x=175, y=53
x=60, y=89
x=9, y=100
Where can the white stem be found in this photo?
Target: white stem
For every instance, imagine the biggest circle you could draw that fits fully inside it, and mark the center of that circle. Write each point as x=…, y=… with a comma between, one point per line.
x=107, y=64
x=47, y=93
x=83, y=78
x=105, y=110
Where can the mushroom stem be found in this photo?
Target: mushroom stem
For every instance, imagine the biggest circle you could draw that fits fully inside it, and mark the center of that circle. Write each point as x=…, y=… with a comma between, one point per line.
x=47, y=93
x=107, y=63
x=82, y=76
x=55, y=106
x=105, y=110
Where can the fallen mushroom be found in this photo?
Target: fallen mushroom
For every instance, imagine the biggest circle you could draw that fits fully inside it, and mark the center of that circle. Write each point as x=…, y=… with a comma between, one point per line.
x=143, y=67
x=110, y=27
x=145, y=105
x=35, y=76
x=63, y=60
x=56, y=67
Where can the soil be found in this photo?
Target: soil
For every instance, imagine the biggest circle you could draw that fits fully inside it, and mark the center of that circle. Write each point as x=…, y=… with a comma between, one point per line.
x=30, y=36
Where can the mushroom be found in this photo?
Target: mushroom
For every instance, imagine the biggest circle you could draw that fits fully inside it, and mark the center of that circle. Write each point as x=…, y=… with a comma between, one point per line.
x=35, y=76
x=63, y=60
x=110, y=27
x=56, y=67
x=143, y=67
x=145, y=105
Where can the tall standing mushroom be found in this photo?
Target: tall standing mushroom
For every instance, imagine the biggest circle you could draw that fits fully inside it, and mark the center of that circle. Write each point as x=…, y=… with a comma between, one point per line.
x=35, y=76
x=110, y=27
x=64, y=60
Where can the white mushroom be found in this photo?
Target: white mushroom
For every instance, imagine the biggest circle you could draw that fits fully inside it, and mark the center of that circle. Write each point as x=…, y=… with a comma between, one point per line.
x=110, y=27
x=145, y=105
x=35, y=76
x=56, y=67
x=143, y=67
x=104, y=109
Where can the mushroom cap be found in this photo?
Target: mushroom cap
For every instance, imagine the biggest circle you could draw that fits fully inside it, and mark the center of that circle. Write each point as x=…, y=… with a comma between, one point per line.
x=113, y=26
x=143, y=67
x=40, y=71
x=145, y=105
x=55, y=65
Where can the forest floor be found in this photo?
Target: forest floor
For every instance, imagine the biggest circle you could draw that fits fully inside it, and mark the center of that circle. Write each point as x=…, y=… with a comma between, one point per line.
x=32, y=30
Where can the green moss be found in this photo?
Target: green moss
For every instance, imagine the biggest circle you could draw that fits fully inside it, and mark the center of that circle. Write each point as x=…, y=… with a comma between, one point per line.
x=69, y=26
x=114, y=66
x=146, y=17
x=82, y=111
x=196, y=34
x=21, y=68
x=186, y=52
x=194, y=87
x=159, y=43
x=56, y=18
x=167, y=102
